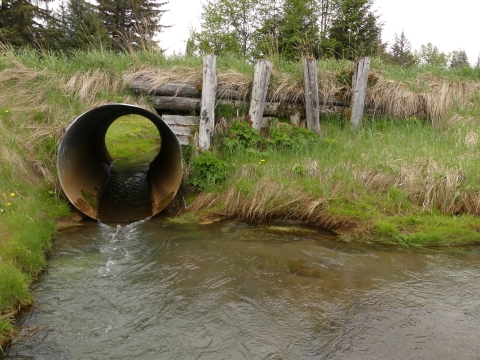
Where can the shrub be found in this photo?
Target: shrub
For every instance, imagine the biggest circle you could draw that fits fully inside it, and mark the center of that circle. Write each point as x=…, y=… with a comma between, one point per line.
x=208, y=170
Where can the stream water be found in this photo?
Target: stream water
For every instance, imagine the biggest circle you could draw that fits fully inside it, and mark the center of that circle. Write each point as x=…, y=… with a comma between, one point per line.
x=231, y=290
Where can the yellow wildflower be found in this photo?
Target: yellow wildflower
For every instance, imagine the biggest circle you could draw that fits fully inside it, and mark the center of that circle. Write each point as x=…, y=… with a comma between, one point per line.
x=12, y=194
x=9, y=204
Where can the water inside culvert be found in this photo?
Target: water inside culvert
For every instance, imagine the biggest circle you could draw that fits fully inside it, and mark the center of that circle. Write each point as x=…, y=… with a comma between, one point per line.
x=127, y=196
x=235, y=291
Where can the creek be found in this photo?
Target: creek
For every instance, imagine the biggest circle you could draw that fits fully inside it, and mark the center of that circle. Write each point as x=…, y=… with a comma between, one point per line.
x=230, y=290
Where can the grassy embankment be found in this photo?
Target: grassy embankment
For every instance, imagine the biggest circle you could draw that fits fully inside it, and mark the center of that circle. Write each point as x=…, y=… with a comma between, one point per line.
x=409, y=181
x=40, y=95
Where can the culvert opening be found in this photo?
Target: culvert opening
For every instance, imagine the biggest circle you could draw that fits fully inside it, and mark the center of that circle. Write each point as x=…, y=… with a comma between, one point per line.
x=133, y=142
x=120, y=163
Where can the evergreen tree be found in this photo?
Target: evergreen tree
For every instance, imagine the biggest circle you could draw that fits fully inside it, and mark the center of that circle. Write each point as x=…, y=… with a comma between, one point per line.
x=299, y=33
x=22, y=23
x=81, y=26
x=131, y=23
x=355, y=30
x=401, y=51
x=459, y=59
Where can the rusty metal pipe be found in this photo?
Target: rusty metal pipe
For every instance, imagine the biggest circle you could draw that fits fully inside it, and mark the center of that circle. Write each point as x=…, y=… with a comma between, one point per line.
x=84, y=164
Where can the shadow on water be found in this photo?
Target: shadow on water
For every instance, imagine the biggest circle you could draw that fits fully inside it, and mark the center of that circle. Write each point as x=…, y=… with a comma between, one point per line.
x=150, y=290
x=127, y=190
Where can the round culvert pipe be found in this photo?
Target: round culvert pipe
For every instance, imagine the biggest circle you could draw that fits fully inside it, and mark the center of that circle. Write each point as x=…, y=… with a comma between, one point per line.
x=85, y=167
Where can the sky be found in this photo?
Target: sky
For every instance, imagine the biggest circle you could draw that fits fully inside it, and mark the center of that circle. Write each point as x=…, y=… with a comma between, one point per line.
x=449, y=25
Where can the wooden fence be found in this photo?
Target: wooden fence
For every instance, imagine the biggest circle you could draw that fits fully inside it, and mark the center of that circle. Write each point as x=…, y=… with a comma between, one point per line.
x=179, y=96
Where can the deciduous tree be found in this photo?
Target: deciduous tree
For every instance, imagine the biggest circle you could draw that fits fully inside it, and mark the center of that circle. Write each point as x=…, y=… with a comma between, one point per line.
x=430, y=55
x=459, y=59
x=227, y=26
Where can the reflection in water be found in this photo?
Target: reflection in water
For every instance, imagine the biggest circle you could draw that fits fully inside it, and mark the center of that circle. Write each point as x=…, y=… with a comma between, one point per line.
x=234, y=291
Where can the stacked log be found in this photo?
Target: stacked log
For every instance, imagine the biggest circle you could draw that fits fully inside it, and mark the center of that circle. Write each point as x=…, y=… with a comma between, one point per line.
x=183, y=96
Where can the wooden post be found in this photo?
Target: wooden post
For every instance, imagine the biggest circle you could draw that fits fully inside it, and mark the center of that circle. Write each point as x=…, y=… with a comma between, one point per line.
x=261, y=78
x=310, y=79
x=207, y=110
x=359, y=90
x=295, y=118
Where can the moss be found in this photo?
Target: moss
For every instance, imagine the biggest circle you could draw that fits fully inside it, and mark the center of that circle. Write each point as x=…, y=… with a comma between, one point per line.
x=182, y=219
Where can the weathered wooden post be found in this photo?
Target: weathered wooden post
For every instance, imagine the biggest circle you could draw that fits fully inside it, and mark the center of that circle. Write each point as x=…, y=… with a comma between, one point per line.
x=310, y=86
x=359, y=90
x=261, y=79
x=207, y=110
x=295, y=118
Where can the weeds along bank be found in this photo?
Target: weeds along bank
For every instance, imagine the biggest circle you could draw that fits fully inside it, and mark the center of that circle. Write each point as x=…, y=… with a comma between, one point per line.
x=411, y=181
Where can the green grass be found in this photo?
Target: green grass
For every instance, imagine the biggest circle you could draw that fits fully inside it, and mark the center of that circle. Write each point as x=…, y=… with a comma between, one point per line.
x=406, y=181
x=130, y=136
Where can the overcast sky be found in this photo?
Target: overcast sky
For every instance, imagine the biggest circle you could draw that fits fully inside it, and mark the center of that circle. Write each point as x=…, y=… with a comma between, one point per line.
x=449, y=25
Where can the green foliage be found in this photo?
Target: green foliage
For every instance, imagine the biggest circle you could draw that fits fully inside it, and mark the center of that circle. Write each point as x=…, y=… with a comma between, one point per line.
x=401, y=51
x=242, y=136
x=298, y=30
x=131, y=24
x=355, y=30
x=208, y=171
x=27, y=23
x=227, y=111
x=286, y=135
x=227, y=27
x=81, y=26
x=430, y=55
x=459, y=59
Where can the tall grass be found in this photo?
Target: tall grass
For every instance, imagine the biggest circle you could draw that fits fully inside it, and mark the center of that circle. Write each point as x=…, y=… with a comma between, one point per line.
x=391, y=181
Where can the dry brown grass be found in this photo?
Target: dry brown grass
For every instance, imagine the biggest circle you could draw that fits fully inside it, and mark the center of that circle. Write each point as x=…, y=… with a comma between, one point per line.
x=270, y=201
x=23, y=88
x=87, y=85
x=154, y=78
x=231, y=80
x=435, y=101
x=427, y=184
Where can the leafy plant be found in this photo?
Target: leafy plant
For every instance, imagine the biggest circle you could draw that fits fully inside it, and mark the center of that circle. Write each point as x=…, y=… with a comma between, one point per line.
x=228, y=111
x=208, y=170
x=243, y=136
x=286, y=135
